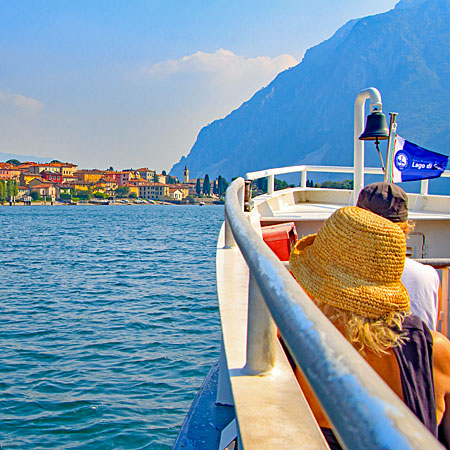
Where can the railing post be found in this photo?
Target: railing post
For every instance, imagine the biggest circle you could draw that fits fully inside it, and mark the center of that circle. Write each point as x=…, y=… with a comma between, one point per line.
x=424, y=187
x=270, y=184
x=229, y=238
x=304, y=178
x=261, y=333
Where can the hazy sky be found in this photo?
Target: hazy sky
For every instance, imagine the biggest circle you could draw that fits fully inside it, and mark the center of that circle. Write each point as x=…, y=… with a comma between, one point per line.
x=130, y=83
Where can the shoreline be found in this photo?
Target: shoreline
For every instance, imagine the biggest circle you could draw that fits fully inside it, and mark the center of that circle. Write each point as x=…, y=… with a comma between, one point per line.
x=213, y=203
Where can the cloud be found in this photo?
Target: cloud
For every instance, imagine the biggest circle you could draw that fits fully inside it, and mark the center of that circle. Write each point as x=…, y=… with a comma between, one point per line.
x=28, y=103
x=21, y=102
x=222, y=67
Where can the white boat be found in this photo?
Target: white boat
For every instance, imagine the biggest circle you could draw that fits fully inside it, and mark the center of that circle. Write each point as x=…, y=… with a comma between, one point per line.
x=251, y=399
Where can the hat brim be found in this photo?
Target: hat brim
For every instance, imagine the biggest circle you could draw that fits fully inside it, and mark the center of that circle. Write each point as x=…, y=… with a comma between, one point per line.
x=344, y=290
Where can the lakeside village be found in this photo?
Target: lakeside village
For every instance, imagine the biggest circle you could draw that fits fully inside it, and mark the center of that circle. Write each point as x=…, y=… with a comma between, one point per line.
x=64, y=183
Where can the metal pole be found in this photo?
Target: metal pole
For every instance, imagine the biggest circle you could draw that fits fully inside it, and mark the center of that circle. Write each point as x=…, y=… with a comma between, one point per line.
x=390, y=147
x=270, y=184
x=304, y=178
x=261, y=333
x=358, y=146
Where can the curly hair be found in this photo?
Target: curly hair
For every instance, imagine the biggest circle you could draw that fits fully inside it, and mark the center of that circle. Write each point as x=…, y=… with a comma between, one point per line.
x=377, y=335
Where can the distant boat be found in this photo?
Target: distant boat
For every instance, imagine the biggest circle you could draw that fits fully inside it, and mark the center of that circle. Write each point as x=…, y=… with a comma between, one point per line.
x=202, y=203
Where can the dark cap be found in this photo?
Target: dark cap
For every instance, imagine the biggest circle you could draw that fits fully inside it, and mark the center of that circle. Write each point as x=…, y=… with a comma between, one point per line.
x=385, y=199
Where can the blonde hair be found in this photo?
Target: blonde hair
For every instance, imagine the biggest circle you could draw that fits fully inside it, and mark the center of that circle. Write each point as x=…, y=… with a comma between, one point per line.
x=377, y=335
x=407, y=226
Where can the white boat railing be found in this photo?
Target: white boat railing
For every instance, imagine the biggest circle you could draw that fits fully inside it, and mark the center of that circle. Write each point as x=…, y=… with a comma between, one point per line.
x=304, y=169
x=363, y=410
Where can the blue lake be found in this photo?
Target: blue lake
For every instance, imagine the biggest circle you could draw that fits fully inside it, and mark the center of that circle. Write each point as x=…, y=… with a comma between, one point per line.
x=109, y=322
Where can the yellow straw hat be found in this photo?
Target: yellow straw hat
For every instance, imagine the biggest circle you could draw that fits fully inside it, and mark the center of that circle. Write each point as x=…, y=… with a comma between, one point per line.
x=355, y=263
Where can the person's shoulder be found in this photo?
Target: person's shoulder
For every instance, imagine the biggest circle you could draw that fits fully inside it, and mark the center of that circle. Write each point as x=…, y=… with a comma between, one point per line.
x=415, y=266
x=441, y=352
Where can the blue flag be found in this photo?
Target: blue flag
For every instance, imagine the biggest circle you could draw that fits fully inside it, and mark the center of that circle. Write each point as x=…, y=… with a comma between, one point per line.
x=411, y=162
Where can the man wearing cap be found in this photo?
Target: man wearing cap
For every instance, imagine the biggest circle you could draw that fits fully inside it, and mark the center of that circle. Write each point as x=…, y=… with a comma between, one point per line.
x=421, y=281
x=352, y=271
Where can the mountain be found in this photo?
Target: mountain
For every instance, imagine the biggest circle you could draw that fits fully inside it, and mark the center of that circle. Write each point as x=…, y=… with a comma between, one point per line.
x=305, y=115
x=23, y=158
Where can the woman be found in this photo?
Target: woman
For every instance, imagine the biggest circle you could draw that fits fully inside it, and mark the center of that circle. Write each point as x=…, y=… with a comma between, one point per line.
x=352, y=270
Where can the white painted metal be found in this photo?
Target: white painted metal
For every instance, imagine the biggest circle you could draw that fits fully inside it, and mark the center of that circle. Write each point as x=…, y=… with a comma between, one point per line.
x=229, y=239
x=224, y=395
x=363, y=410
x=261, y=333
x=271, y=410
x=308, y=168
x=358, y=146
x=270, y=184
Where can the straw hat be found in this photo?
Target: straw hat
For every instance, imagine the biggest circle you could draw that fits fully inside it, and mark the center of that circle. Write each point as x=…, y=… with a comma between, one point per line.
x=355, y=262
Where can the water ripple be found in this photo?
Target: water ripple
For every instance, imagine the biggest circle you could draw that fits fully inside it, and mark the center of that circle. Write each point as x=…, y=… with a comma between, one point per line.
x=109, y=322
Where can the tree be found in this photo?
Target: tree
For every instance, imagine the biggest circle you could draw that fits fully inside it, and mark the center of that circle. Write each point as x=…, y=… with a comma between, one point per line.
x=65, y=196
x=55, y=161
x=132, y=195
x=2, y=191
x=261, y=184
x=198, y=187
x=206, y=185
x=222, y=186
x=280, y=184
x=15, y=188
x=164, y=173
x=83, y=195
x=122, y=191
x=35, y=195
x=9, y=189
x=15, y=162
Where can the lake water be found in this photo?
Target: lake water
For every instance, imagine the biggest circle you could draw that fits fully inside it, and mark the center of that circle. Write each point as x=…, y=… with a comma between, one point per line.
x=108, y=323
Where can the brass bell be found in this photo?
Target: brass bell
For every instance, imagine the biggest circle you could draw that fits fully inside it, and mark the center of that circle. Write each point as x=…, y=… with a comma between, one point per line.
x=376, y=127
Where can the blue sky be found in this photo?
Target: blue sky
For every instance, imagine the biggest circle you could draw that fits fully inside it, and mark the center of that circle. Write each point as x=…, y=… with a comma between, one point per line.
x=131, y=83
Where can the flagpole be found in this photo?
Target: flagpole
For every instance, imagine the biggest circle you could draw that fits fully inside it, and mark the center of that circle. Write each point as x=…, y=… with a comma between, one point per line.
x=390, y=148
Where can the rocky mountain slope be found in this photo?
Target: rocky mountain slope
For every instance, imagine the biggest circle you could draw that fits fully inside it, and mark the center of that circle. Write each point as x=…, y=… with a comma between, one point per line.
x=305, y=115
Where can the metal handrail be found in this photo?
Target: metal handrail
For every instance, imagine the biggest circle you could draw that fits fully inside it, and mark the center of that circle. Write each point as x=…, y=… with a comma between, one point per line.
x=365, y=413
x=304, y=169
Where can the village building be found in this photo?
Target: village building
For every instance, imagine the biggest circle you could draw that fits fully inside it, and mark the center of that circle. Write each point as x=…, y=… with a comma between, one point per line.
x=54, y=177
x=132, y=188
x=45, y=190
x=67, y=169
x=22, y=191
x=154, y=191
x=146, y=174
x=160, y=178
x=78, y=185
x=106, y=184
x=89, y=175
x=126, y=176
x=113, y=174
x=9, y=172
